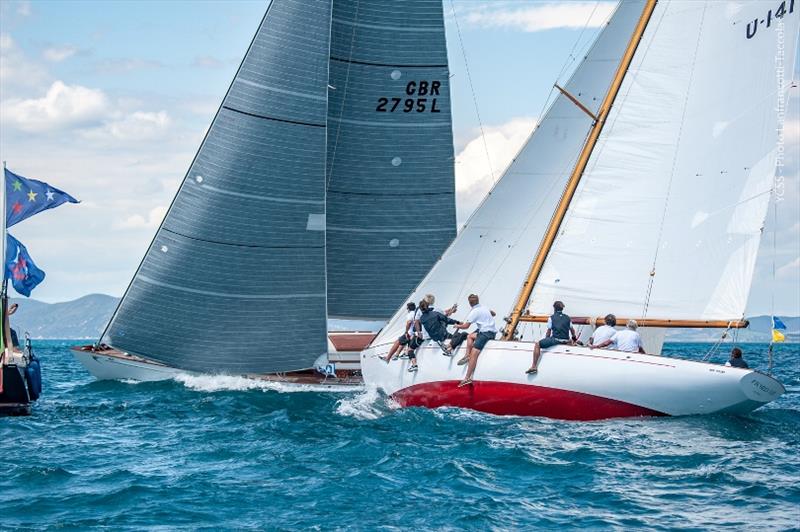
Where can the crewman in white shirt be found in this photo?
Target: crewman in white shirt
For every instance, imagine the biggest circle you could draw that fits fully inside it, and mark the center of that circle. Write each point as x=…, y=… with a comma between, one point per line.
x=486, y=330
x=627, y=340
x=604, y=332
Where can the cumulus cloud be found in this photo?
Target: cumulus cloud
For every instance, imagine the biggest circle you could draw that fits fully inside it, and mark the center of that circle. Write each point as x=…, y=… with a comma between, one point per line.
x=56, y=54
x=62, y=106
x=475, y=174
x=571, y=15
x=137, y=221
x=139, y=125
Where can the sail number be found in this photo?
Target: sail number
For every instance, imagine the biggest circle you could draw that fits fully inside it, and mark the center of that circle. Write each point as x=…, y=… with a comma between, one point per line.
x=420, y=97
x=780, y=11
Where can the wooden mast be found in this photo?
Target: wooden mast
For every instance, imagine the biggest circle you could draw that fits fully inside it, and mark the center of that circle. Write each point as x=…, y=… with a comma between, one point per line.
x=577, y=172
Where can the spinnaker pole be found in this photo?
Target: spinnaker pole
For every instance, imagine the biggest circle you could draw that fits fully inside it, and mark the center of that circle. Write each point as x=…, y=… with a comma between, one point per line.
x=577, y=172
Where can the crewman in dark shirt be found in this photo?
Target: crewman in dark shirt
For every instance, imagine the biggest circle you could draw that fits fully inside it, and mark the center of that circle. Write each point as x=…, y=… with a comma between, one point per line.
x=736, y=359
x=559, y=331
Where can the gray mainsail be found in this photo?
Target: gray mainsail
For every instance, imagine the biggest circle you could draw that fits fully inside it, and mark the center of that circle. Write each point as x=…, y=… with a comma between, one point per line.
x=391, y=186
x=234, y=280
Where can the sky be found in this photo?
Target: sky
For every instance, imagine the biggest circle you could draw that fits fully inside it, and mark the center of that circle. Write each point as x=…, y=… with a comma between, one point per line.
x=110, y=101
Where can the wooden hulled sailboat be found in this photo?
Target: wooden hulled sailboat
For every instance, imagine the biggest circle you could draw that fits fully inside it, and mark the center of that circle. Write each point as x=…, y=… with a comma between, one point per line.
x=642, y=192
x=291, y=212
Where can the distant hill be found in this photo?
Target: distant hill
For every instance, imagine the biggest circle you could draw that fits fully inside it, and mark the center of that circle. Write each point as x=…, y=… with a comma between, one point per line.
x=84, y=317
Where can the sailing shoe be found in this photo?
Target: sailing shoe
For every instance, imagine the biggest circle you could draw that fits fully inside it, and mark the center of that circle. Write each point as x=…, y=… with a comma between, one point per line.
x=403, y=355
x=463, y=361
x=413, y=368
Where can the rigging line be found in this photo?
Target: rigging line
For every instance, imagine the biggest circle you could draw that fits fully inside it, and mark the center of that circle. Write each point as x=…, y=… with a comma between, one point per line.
x=571, y=57
x=483, y=136
x=539, y=119
x=344, y=92
x=651, y=281
x=472, y=89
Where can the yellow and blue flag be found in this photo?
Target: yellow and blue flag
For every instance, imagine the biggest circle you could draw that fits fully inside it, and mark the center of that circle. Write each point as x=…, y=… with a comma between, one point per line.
x=26, y=197
x=19, y=267
x=777, y=327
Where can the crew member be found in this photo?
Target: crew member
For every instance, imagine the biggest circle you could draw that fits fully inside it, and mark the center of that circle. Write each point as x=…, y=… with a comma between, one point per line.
x=486, y=330
x=628, y=339
x=736, y=359
x=559, y=331
x=604, y=332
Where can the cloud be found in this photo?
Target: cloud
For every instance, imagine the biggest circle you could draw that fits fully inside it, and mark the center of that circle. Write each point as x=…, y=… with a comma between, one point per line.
x=56, y=54
x=207, y=61
x=138, y=221
x=61, y=107
x=570, y=15
x=139, y=125
x=473, y=171
x=790, y=270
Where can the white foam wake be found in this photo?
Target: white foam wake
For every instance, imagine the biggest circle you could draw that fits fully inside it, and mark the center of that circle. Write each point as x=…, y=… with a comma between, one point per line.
x=216, y=383
x=364, y=405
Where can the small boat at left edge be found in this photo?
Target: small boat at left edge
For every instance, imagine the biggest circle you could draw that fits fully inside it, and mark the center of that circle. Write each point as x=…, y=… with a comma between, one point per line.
x=20, y=369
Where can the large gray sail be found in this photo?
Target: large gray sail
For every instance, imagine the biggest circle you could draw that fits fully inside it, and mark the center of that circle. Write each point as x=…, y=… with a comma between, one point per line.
x=391, y=187
x=234, y=280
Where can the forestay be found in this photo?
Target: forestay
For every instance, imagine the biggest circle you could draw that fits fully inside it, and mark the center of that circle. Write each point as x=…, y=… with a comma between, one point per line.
x=667, y=218
x=391, y=187
x=234, y=280
x=493, y=252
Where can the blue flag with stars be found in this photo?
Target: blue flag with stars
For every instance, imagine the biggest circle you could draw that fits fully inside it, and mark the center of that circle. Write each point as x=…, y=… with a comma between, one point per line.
x=20, y=269
x=26, y=197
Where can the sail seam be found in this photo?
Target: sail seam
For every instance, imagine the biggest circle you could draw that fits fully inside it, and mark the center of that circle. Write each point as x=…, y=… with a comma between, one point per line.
x=238, y=245
x=390, y=230
x=226, y=294
x=272, y=117
x=388, y=28
x=283, y=91
x=260, y=197
x=403, y=194
x=389, y=124
x=368, y=63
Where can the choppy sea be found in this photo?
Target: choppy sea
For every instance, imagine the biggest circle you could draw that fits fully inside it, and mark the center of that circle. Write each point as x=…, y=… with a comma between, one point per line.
x=214, y=452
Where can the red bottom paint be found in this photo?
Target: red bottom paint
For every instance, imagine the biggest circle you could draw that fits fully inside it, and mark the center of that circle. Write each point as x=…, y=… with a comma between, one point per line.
x=509, y=399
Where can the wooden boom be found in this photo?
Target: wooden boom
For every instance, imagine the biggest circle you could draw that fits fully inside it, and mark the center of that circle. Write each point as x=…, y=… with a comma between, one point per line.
x=649, y=322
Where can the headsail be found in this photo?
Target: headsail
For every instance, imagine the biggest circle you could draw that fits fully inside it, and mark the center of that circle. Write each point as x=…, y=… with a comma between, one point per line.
x=667, y=218
x=391, y=187
x=495, y=249
x=234, y=280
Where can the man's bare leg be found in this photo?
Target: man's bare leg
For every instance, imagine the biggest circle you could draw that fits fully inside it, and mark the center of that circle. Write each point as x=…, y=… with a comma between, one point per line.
x=392, y=351
x=473, y=362
x=470, y=342
x=537, y=354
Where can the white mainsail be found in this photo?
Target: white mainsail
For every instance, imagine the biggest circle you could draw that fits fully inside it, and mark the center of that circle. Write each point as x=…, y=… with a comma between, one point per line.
x=667, y=218
x=494, y=250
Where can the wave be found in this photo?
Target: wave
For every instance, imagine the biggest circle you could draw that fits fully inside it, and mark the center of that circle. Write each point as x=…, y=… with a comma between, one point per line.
x=218, y=383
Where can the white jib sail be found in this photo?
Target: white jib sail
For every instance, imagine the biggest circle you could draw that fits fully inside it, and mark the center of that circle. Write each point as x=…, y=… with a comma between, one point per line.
x=667, y=218
x=493, y=252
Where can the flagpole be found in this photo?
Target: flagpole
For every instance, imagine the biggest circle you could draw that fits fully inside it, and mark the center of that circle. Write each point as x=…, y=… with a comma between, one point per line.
x=3, y=292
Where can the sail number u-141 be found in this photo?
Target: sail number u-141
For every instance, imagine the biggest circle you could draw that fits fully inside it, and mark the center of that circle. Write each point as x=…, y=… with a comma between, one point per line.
x=780, y=11
x=423, y=98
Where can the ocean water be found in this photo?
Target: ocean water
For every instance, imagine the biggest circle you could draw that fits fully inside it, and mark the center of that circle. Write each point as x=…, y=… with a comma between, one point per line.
x=205, y=452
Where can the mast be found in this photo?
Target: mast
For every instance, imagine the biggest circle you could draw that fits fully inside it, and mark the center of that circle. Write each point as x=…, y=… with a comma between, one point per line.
x=577, y=173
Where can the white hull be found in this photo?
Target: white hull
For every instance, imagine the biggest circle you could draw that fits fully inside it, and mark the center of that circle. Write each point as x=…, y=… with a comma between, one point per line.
x=109, y=364
x=108, y=367
x=573, y=383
